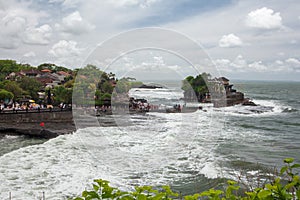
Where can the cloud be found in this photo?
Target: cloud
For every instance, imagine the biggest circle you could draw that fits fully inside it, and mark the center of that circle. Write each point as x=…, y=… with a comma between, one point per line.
x=29, y=54
x=239, y=64
x=67, y=53
x=65, y=48
x=125, y=3
x=11, y=29
x=293, y=64
x=264, y=18
x=66, y=3
x=293, y=61
x=15, y=19
x=230, y=40
x=40, y=35
x=75, y=24
x=258, y=66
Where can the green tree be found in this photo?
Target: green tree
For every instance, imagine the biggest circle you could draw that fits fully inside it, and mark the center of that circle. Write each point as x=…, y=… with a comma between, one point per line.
x=106, y=87
x=69, y=83
x=49, y=66
x=195, y=88
x=62, y=94
x=8, y=66
x=5, y=95
x=31, y=86
x=125, y=84
x=14, y=88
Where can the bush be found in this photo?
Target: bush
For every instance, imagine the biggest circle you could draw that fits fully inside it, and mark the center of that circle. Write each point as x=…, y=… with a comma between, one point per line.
x=284, y=186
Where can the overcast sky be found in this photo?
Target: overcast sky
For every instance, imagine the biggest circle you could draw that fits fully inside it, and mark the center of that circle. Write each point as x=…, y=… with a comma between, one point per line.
x=246, y=39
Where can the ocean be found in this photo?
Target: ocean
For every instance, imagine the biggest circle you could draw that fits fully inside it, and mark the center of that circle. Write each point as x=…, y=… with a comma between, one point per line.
x=189, y=151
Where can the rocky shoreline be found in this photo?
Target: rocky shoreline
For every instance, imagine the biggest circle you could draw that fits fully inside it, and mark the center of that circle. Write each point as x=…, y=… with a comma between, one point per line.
x=29, y=124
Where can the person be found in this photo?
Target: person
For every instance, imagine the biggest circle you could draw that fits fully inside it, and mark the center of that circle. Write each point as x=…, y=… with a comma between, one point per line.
x=179, y=108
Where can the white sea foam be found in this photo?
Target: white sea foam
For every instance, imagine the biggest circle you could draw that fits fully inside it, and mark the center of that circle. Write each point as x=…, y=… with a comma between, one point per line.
x=156, y=94
x=163, y=149
x=263, y=108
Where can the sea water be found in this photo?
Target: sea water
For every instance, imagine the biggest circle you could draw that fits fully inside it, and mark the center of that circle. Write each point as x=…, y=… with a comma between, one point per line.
x=189, y=151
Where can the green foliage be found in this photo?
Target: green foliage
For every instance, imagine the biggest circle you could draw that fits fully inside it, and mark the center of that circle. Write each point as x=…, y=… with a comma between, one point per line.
x=195, y=88
x=14, y=88
x=9, y=66
x=125, y=84
x=101, y=98
x=102, y=190
x=4, y=94
x=69, y=83
x=52, y=67
x=62, y=94
x=31, y=85
x=284, y=187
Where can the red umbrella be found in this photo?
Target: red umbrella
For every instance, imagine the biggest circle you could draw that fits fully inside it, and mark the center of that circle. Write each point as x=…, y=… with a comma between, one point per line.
x=42, y=124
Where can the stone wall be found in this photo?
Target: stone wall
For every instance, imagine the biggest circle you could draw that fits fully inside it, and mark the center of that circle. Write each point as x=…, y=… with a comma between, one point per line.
x=64, y=116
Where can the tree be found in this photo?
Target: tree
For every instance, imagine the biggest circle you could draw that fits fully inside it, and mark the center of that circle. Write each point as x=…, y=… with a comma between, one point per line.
x=49, y=66
x=14, y=88
x=106, y=87
x=5, y=95
x=125, y=84
x=8, y=66
x=62, y=94
x=69, y=83
x=195, y=87
x=31, y=86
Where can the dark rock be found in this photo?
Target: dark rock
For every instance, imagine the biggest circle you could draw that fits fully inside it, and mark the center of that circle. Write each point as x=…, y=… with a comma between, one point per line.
x=150, y=86
x=36, y=133
x=249, y=103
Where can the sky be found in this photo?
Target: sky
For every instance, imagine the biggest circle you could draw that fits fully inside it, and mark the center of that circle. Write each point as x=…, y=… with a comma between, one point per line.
x=245, y=39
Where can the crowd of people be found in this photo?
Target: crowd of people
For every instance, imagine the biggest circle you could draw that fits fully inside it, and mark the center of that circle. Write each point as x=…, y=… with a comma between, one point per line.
x=28, y=106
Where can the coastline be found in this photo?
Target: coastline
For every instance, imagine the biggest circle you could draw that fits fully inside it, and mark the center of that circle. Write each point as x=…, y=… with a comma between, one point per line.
x=29, y=124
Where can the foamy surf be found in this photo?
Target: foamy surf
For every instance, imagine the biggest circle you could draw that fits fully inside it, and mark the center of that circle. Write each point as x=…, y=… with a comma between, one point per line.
x=160, y=151
x=263, y=108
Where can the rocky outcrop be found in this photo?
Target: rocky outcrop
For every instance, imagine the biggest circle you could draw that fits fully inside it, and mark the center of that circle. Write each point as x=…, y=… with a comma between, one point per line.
x=36, y=133
x=29, y=124
x=150, y=86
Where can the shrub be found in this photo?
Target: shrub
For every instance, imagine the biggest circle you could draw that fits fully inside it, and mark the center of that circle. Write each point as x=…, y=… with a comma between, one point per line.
x=286, y=186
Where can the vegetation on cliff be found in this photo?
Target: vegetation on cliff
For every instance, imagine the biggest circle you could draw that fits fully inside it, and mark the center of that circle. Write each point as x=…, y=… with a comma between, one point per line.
x=195, y=88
